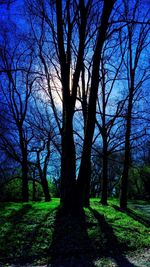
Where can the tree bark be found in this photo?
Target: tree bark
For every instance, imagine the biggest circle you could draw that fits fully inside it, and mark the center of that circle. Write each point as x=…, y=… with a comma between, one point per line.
x=68, y=166
x=131, y=84
x=43, y=174
x=44, y=184
x=105, y=172
x=23, y=146
x=125, y=174
x=25, y=193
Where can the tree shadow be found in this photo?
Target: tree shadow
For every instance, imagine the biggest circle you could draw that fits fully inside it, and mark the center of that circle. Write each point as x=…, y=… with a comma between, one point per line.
x=110, y=246
x=133, y=215
x=20, y=246
x=10, y=233
x=71, y=246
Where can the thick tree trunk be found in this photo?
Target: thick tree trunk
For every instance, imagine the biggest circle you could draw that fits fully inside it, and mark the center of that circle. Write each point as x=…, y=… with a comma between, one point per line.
x=68, y=169
x=68, y=165
x=83, y=184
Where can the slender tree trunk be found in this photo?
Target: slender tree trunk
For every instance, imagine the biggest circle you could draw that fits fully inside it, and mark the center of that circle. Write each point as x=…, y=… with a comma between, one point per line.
x=44, y=184
x=34, y=190
x=42, y=174
x=23, y=146
x=125, y=174
x=131, y=82
x=25, y=193
x=105, y=145
x=124, y=182
x=84, y=98
x=105, y=172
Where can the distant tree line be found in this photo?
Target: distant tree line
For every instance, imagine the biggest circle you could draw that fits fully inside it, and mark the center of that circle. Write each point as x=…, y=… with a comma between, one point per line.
x=74, y=100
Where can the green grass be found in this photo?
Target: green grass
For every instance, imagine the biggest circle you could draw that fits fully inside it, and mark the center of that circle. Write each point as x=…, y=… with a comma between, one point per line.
x=32, y=232
x=128, y=232
x=26, y=229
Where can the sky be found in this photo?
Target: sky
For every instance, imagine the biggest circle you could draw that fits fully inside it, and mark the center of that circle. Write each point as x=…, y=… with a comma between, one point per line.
x=13, y=19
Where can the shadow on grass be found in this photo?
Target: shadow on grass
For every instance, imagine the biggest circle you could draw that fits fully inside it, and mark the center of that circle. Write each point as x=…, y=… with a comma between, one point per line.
x=21, y=239
x=133, y=215
x=9, y=233
x=71, y=246
x=110, y=247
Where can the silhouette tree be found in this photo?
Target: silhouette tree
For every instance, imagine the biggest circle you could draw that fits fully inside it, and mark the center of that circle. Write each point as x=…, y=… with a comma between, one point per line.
x=136, y=78
x=16, y=88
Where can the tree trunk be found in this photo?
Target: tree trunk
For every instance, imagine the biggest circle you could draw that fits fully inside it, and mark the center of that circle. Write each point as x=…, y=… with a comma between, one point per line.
x=83, y=185
x=105, y=172
x=44, y=184
x=105, y=144
x=68, y=165
x=23, y=146
x=42, y=173
x=25, y=193
x=34, y=191
x=125, y=174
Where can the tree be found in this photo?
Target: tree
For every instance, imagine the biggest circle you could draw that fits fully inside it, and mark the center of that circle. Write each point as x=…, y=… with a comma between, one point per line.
x=70, y=40
x=108, y=116
x=136, y=77
x=43, y=142
x=77, y=78
x=16, y=88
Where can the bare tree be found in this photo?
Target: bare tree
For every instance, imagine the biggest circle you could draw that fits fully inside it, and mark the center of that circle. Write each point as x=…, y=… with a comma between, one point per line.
x=72, y=27
x=16, y=88
x=43, y=143
x=85, y=168
x=136, y=77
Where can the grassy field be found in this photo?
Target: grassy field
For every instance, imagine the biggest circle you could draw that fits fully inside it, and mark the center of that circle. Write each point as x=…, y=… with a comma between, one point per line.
x=39, y=233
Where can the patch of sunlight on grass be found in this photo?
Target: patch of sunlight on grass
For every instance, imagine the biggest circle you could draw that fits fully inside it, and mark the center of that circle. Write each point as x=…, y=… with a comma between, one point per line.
x=128, y=231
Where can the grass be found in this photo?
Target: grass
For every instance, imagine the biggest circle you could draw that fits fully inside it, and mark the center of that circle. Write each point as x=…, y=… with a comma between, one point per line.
x=26, y=230
x=129, y=232
x=142, y=208
x=38, y=232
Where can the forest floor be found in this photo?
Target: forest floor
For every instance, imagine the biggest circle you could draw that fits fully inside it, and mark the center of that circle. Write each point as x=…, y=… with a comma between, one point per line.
x=39, y=234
